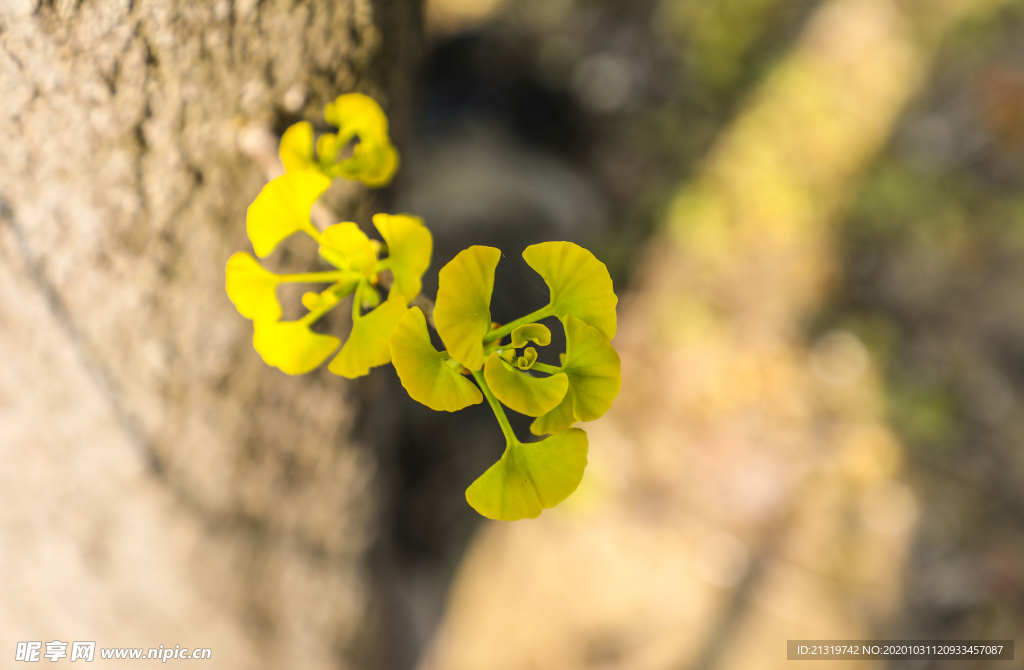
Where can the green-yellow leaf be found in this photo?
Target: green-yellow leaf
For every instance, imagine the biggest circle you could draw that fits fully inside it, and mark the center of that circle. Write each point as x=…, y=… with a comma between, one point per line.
x=291, y=345
x=556, y=420
x=462, y=312
x=594, y=372
x=522, y=392
x=531, y=477
x=369, y=344
x=579, y=283
x=296, y=148
x=314, y=301
x=410, y=246
x=374, y=160
x=347, y=247
x=426, y=373
x=252, y=289
x=537, y=333
x=282, y=208
x=526, y=361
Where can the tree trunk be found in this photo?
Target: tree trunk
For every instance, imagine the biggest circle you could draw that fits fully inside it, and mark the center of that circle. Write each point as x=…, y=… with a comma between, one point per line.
x=161, y=484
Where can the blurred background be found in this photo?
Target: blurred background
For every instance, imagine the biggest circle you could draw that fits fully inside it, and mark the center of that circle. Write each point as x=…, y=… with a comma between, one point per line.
x=813, y=212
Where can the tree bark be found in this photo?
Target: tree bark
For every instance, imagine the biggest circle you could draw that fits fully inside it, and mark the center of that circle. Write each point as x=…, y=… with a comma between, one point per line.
x=161, y=484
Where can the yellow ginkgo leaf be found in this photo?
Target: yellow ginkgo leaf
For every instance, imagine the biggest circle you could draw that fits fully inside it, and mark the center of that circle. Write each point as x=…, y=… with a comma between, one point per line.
x=558, y=419
x=282, y=208
x=526, y=361
x=537, y=333
x=522, y=392
x=252, y=289
x=347, y=247
x=428, y=375
x=296, y=148
x=595, y=376
x=314, y=301
x=462, y=312
x=369, y=344
x=410, y=246
x=580, y=284
x=374, y=160
x=531, y=477
x=291, y=345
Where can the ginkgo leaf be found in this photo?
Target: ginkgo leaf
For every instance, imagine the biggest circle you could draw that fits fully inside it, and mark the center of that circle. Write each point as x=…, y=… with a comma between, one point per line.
x=291, y=345
x=296, y=148
x=579, y=283
x=595, y=375
x=347, y=247
x=374, y=160
x=537, y=333
x=531, y=477
x=462, y=311
x=327, y=148
x=410, y=246
x=522, y=392
x=556, y=420
x=369, y=344
x=282, y=208
x=314, y=301
x=427, y=374
x=252, y=289
x=526, y=361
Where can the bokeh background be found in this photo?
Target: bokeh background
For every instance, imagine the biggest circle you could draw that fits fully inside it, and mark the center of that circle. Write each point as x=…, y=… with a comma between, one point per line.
x=813, y=212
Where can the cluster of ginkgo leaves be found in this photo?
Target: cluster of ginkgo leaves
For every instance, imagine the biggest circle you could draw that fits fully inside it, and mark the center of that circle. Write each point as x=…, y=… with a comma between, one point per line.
x=530, y=476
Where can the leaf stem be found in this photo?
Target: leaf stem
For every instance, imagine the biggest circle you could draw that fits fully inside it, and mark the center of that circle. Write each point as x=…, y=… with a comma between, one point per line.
x=498, y=333
x=499, y=411
x=357, y=303
x=550, y=369
x=315, y=277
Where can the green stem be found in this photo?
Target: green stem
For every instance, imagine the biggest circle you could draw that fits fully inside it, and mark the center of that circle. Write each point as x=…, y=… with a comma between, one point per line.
x=499, y=411
x=315, y=277
x=498, y=333
x=357, y=303
x=541, y=367
x=310, y=317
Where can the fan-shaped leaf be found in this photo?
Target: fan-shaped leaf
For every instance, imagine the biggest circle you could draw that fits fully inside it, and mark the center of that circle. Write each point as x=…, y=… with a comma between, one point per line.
x=426, y=373
x=594, y=372
x=410, y=246
x=522, y=392
x=347, y=247
x=374, y=160
x=531, y=477
x=252, y=289
x=537, y=333
x=462, y=311
x=296, y=148
x=580, y=284
x=282, y=208
x=369, y=344
x=291, y=345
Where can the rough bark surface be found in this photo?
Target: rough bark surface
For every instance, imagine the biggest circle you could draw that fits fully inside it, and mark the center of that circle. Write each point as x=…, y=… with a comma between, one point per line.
x=161, y=485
